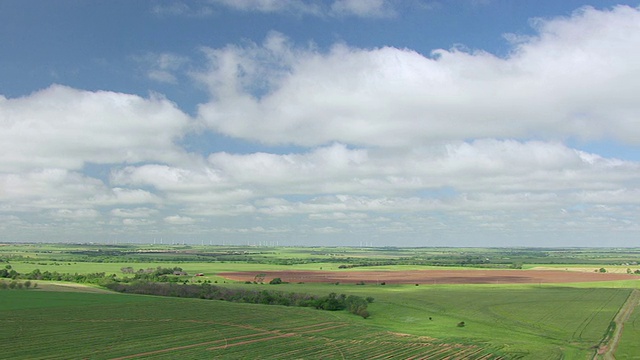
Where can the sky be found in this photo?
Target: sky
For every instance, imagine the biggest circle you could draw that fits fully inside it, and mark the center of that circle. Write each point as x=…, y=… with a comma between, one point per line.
x=458, y=123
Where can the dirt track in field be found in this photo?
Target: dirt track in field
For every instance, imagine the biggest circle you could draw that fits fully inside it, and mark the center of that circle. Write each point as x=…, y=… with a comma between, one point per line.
x=431, y=276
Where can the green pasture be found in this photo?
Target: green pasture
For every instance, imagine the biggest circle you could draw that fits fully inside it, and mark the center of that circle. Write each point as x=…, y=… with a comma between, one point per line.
x=540, y=321
x=50, y=325
x=524, y=320
x=516, y=321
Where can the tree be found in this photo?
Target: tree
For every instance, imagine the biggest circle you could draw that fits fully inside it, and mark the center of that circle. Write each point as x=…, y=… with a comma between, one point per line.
x=36, y=274
x=602, y=270
x=357, y=305
x=275, y=281
x=13, y=274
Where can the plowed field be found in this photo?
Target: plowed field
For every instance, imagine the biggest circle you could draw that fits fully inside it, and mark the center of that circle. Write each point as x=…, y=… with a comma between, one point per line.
x=432, y=276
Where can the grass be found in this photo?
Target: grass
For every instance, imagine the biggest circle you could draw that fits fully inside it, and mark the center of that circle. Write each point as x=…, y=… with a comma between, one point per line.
x=50, y=325
x=629, y=347
x=527, y=320
x=516, y=321
x=532, y=321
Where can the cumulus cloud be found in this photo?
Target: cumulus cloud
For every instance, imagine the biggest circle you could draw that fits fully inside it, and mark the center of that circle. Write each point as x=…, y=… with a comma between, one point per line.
x=458, y=144
x=478, y=175
x=62, y=127
x=574, y=79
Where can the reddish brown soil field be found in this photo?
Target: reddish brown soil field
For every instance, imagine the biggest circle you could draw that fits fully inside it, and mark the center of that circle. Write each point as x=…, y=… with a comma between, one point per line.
x=432, y=276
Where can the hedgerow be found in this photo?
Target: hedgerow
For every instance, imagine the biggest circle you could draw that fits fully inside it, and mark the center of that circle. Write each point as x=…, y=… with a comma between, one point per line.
x=332, y=302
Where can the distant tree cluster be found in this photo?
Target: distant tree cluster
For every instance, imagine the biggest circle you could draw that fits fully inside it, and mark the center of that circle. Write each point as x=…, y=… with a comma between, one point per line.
x=13, y=284
x=158, y=274
x=99, y=278
x=332, y=302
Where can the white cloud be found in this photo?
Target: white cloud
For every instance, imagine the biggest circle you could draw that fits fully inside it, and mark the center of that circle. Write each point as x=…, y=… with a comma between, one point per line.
x=162, y=67
x=179, y=220
x=73, y=127
x=507, y=171
x=575, y=79
x=338, y=8
x=48, y=189
x=134, y=213
x=75, y=214
x=363, y=8
x=273, y=6
x=456, y=146
x=137, y=222
x=64, y=190
x=181, y=8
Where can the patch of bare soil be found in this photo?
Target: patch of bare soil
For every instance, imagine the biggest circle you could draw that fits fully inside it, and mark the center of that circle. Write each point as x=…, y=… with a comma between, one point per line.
x=432, y=276
x=69, y=287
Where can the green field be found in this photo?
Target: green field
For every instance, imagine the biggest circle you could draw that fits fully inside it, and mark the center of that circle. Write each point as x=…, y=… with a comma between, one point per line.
x=552, y=321
x=522, y=320
x=629, y=347
x=52, y=325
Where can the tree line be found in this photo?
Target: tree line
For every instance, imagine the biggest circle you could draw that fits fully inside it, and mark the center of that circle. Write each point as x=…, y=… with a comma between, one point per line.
x=163, y=282
x=332, y=302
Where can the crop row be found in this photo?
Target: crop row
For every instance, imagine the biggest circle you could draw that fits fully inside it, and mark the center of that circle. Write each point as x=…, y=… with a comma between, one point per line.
x=106, y=326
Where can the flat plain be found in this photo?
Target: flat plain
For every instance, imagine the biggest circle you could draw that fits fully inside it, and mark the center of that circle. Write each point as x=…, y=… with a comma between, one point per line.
x=500, y=317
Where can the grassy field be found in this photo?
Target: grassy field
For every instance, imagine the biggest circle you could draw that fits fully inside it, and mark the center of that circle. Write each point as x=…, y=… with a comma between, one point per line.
x=66, y=325
x=523, y=320
x=629, y=347
x=552, y=321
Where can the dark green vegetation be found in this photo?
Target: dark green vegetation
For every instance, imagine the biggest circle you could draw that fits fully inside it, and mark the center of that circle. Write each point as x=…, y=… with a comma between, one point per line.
x=500, y=321
x=332, y=302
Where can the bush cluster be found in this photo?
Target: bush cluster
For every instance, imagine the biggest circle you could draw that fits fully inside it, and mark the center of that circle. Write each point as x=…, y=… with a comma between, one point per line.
x=332, y=302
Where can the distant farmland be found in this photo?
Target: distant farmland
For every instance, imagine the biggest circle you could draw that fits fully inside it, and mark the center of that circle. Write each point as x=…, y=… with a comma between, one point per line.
x=426, y=303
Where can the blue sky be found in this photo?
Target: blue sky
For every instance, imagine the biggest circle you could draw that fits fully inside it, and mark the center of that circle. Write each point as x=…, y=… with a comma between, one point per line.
x=408, y=123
